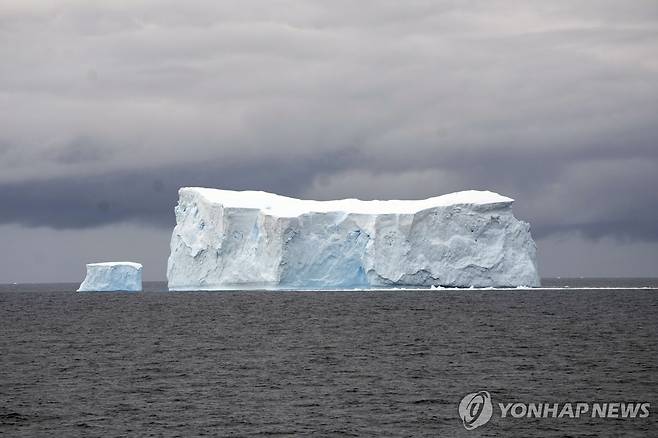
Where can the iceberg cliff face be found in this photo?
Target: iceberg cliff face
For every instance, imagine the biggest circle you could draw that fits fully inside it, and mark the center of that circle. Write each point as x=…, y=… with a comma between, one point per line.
x=239, y=240
x=112, y=276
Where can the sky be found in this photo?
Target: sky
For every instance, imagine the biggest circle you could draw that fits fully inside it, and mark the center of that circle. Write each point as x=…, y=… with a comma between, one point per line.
x=108, y=107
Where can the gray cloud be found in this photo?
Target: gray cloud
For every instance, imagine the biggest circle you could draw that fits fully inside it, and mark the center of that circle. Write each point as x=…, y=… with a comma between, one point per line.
x=148, y=196
x=80, y=150
x=107, y=108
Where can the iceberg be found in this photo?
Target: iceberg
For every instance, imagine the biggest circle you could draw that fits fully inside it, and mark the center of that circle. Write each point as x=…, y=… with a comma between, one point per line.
x=227, y=240
x=112, y=276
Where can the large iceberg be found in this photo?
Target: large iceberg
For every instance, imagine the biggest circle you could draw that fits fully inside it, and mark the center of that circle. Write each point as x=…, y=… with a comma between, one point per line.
x=256, y=240
x=112, y=276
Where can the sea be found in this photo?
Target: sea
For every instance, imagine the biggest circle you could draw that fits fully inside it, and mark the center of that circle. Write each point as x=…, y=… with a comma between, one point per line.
x=384, y=363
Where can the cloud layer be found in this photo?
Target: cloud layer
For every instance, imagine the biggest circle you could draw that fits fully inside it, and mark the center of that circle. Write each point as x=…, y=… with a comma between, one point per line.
x=108, y=107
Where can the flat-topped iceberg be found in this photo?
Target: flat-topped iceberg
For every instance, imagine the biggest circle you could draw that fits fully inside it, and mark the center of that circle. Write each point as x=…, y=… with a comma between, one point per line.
x=256, y=240
x=112, y=276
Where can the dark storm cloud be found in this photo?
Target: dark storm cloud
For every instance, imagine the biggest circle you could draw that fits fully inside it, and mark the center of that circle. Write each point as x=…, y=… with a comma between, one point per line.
x=594, y=208
x=108, y=108
x=149, y=195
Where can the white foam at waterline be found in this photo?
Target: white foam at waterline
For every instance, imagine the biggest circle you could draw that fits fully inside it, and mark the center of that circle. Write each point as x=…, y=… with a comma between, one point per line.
x=433, y=289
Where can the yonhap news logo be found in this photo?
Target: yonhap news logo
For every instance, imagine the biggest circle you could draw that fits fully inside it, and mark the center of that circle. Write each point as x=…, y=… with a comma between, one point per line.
x=477, y=408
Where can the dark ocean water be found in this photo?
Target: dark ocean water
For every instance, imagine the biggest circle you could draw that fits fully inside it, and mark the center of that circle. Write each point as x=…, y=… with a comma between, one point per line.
x=385, y=364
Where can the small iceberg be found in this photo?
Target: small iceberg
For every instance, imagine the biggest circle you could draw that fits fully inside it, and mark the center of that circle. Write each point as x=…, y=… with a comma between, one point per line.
x=112, y=276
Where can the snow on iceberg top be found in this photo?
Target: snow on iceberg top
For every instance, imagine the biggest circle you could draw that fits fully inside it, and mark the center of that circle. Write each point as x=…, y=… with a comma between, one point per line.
x=109, y=264
x=283, y=206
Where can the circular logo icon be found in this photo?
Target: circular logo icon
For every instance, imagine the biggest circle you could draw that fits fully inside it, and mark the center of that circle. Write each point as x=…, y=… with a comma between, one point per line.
x=475, y=409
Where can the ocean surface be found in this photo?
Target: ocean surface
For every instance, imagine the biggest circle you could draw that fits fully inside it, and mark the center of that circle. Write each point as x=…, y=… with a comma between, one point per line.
x=376, y=363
